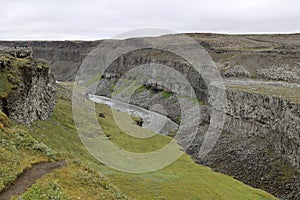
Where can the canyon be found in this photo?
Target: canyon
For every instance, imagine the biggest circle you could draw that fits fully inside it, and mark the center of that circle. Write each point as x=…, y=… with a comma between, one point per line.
x=260, y=139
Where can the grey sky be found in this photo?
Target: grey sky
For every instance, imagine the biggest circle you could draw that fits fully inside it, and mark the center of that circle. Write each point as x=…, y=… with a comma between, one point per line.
x=96, y=19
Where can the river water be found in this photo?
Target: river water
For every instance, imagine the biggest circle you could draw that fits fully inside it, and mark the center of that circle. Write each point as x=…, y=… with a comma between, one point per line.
x=151, y=120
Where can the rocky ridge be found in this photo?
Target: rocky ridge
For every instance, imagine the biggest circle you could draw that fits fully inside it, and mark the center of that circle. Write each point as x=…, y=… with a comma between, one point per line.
x=27, y=88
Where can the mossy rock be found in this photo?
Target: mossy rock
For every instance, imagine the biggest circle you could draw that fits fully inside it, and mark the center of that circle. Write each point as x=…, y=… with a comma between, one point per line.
x=26, y=86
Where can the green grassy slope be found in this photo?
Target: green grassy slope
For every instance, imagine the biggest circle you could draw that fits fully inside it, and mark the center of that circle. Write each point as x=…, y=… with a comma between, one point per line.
x=183, y=179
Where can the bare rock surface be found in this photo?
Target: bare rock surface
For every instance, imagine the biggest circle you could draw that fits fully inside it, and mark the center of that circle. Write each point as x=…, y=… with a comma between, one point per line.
x=277, y=74
x=236, y=71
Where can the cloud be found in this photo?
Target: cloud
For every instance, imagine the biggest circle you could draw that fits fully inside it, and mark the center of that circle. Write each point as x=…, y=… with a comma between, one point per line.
x=96, y=19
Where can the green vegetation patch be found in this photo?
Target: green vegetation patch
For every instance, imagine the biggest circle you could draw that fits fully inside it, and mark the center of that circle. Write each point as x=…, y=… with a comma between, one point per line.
x=167, y=94
x=75, y=181
x=183, y=179
x=18, y=150
x=51, y=191
x=11, y=72
x=96, y=77
x=4, y=121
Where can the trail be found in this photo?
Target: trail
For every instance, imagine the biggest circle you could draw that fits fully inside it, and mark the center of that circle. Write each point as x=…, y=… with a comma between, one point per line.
x=28, y=177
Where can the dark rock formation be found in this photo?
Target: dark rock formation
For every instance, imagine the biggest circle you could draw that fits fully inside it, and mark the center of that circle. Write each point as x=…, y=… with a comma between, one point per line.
x=27, y=89
x=252, y=114
x=101, y=115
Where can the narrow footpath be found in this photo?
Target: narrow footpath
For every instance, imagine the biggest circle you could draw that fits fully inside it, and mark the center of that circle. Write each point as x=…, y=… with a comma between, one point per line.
x=27, y=178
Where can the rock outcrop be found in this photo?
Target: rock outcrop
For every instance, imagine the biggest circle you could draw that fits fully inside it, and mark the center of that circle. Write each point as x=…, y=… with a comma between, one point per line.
x=277, y=74
x=237, y=71
x=252, y=114
x=27, y=89
x=18, y=52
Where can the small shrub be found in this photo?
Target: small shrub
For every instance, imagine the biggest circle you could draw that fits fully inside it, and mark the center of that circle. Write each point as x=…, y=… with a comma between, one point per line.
x=39, y=192
x=167, y=94
x=41, y=147
x=140, y=89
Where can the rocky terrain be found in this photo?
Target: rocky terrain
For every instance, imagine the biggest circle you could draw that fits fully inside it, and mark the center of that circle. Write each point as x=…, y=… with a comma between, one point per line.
x=260, y=142
x=27, y=86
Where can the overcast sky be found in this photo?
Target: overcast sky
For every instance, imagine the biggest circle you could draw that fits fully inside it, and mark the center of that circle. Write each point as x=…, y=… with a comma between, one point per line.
x=97, y=19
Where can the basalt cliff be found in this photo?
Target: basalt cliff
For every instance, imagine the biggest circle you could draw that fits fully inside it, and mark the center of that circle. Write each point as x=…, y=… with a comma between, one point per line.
x=27, y=90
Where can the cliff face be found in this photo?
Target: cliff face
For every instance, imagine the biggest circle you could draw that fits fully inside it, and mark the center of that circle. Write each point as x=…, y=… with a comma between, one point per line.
x=27, y=89
x=253, y=114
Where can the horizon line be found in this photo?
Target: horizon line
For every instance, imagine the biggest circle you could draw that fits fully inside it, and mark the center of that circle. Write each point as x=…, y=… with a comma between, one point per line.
x=108, y=38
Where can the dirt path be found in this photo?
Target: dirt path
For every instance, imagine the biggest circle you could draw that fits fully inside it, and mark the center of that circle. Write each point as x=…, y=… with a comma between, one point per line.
x=28, y=177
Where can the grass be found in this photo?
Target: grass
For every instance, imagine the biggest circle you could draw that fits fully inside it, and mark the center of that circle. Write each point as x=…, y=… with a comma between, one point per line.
x=129, y=87
x=43, y=192
x=126, y=87
x=94, y=79
x=75, y=181
x=167, y=94
x=184, y=179
x=11, y=72
x=18, y=150
x=289, y=93
x=6, y=86
x=140, y=89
